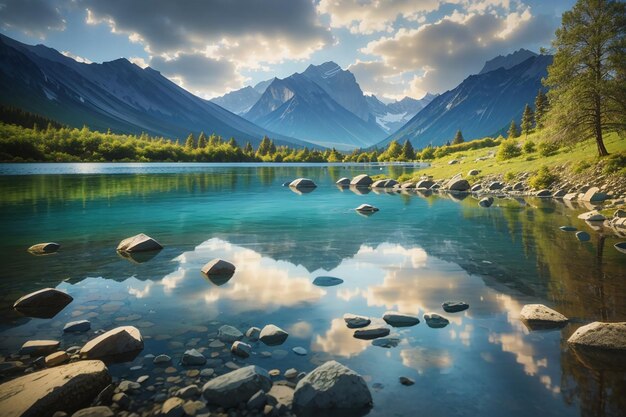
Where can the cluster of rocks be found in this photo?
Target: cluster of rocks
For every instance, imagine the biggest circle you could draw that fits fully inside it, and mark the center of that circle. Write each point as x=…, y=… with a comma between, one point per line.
x=592, y=197
x=77, y=383
x=598, y=345
x=366, y=331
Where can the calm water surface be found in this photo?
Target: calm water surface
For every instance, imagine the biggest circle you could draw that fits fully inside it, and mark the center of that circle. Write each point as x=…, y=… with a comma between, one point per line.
x=417, y=252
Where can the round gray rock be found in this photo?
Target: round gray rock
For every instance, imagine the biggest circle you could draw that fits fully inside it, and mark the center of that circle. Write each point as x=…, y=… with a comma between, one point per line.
x=192, y=357
x=354, y=321
x=118, y=341
x=139, y=243
x=331, y=386
x=273, y=335
x=435, y=321
x=229, y=334
x=538, y=316
x=236, y=387
x=395, y=319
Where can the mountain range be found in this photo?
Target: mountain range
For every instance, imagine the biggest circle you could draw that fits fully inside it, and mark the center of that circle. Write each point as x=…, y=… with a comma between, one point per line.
x=118, y=95
x=322, y=106
x=483, y=104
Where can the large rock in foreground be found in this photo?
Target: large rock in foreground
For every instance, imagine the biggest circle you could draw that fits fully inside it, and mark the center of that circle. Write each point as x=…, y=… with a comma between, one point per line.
x=236, y=387
x=331, y=386
x=538, y=316
x=45, y=303
x=119, y=341
x=139, y=243
x=601, y=345
x=63, y=388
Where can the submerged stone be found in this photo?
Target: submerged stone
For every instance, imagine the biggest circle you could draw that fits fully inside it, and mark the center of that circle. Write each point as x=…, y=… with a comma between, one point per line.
x=454, y=306
x=327, y=281
x=373, y=333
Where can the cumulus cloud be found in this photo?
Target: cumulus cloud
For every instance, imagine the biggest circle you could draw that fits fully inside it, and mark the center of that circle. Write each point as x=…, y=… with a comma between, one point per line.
x=204, y=46
x=198, y=73
x=282, y=29
x=443, y=53
x=33, y=17
x=369, y=16
x=375, y=77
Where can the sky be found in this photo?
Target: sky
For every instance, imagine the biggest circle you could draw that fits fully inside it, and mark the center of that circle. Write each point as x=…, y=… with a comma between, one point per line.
x=395, y=48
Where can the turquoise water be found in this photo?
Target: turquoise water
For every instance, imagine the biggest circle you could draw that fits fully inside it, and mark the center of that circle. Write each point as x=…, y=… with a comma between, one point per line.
x=415, y=253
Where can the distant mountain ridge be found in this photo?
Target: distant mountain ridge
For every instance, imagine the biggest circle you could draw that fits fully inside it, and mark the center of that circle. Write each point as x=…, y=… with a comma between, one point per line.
x=507, y=61
x=481, y=105
x=393, y=116
x=298, y=107
x=117, y=95
x=324, y=105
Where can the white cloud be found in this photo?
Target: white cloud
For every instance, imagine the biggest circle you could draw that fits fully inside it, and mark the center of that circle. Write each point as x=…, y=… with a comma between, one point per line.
x=227, y=37
x=441, y=54
x=198, y=73
x=32, y=17
x=369, y=16
x=77, y=58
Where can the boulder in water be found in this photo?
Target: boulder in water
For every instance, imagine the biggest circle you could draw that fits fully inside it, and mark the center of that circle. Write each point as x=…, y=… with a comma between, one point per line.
x=44, y=248
x=331, y=386
x=119, y=341
x=236, y=387
x=538, y=316
x=45, y=303
x=302, y=183
x=62, y=388
x=362, y=180
x=139, y=243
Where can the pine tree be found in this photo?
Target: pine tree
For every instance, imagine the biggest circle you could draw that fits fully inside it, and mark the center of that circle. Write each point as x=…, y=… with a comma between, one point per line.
x=272, y=149
x=587, y=78
x=527, y=120
x=458, y=138
x=233, y=143
x=513, y=132
x=394, y=150
x=541, y=108
x=202, y=140
x=247, y=149
x=190, y=143
x=408, y=153
x=264, y=146
x=214, y=140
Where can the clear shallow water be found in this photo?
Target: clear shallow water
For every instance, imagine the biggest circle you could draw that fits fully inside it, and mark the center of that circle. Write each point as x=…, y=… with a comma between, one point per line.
x=411, y=256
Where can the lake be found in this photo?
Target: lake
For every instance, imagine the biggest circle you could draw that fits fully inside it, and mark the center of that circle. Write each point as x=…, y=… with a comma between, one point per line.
x=414, y=254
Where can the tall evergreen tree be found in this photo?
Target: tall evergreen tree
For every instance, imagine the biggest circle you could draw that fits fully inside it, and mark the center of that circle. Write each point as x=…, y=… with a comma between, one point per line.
x=190, y=143
x=408, y=153
x=202, y=141
x=232, y=142
x=458, y=138
x=214, y=140
x=394, y=150
x=587, y=79
x=513, y=132
x=527, y=120
x=247, y=149
x=264, y=146
x=541, y=108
